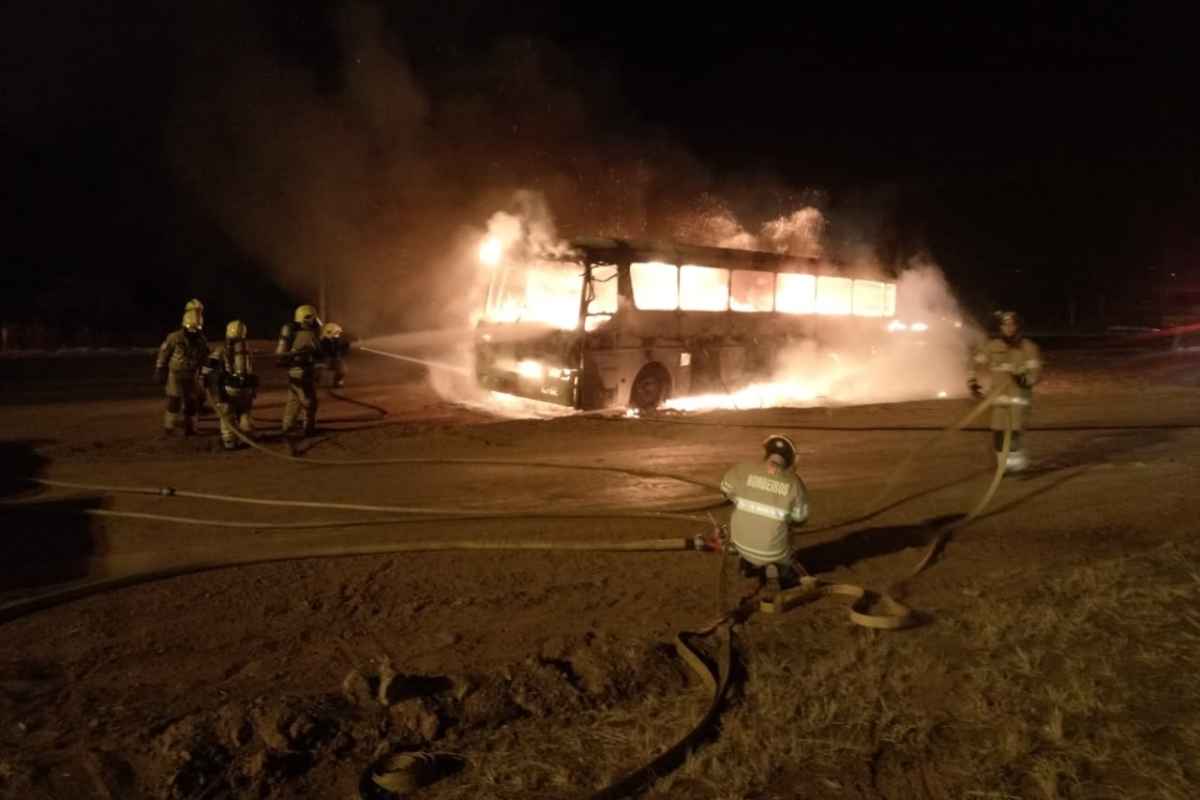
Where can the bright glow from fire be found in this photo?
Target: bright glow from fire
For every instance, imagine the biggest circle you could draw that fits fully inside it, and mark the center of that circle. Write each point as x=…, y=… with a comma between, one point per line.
x=795, y=293
x=530, y=369
x=490, y=251
x=918, y=327
x=834, y=295
x=896, y=325
x=752, y=291
x=703, y=288
x=655, y=285
x=758, y=395
x=870, y=298
x=546, y=292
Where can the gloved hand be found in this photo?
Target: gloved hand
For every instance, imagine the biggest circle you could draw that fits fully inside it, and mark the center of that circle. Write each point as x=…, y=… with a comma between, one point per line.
x=976, y=389
x=160, y=376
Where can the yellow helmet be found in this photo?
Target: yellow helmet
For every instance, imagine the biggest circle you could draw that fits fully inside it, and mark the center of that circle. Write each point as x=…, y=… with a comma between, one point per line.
x=191, y=320
x=195, y=304
x=331, y=331
x=235, y=330
x=306, y=315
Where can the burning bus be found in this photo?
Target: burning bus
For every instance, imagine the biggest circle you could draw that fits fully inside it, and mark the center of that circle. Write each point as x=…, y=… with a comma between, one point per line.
x=614, y=323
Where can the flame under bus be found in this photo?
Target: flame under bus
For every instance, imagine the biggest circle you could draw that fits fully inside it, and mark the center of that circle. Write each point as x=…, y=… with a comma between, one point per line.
x=631, y=324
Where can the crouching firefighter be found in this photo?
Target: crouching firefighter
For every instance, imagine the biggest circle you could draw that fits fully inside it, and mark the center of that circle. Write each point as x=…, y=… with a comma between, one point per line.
x=769, y=497
x=180, y=359
x=229, y=376
x=299, y=349
x=1015, y=367
x=334, y=348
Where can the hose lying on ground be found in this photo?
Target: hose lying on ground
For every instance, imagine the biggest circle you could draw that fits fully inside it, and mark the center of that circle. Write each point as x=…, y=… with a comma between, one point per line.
x=899, y=617
x=170, y=491
x=380, y=411
x=358, y=523
x=717, y=683
x=897, y=614
x=64, y=593
x=481, y=462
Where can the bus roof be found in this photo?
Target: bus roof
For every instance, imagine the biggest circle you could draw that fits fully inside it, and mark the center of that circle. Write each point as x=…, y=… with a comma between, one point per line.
x=623, y=250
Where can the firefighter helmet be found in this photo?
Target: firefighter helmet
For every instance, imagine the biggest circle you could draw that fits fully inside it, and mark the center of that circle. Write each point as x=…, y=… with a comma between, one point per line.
x=235, y=330
x=192, y=321
x=195, y=304
x=1004, y=318
x=779, y=445
x=331, y=330
x=1008, y=316
x=307, y=316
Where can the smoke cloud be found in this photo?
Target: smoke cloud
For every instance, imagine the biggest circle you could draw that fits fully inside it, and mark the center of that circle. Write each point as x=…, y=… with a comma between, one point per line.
x=359, y=174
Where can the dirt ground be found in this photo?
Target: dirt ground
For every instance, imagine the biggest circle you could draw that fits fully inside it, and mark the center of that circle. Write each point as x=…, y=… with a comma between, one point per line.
x=1057, y=657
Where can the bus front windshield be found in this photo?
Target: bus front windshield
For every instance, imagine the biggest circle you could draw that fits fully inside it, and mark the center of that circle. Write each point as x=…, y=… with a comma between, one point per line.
x=546, y=292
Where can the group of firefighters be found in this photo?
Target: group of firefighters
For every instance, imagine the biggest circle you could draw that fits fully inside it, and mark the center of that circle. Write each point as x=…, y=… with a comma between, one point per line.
x=192, y=373
x=769, y=496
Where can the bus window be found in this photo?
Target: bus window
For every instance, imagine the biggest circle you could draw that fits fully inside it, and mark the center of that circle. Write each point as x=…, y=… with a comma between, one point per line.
x=834, y=295
x=869, y=298
x=752, y=290
x=795, y=293
x=603, y=298
x=543, y=291
x=655, y=285
x=703, y=288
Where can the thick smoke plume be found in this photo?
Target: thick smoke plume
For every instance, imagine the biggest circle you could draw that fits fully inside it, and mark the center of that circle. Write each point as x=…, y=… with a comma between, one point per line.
x=359, y=174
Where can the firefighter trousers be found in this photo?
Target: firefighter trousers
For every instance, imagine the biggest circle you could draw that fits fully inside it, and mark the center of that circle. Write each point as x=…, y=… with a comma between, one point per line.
x=234, y=410
x=181, y=401
x=301, y=404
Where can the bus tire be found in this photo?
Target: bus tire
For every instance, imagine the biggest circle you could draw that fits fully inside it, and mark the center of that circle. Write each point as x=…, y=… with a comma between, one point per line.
x=651, y=387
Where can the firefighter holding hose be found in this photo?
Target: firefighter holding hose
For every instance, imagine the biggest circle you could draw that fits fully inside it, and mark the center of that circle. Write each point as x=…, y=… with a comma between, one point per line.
x=334, y=348
x=299, y=349
x=769, y=497
x=1015, y=366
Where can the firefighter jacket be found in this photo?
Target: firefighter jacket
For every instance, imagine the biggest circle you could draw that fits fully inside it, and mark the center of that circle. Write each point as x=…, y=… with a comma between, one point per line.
x=1015, y=369
x=765, y=505
x=181, y=352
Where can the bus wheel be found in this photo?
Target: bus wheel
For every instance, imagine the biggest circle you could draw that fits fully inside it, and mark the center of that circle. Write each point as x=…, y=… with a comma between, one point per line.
x=650, y=388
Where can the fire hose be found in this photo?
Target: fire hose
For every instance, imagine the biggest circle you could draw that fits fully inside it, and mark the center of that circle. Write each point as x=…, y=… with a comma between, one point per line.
x=896, y=614
x=364, y=462
x=717, y=683
x=441, y=513
x=899, y=616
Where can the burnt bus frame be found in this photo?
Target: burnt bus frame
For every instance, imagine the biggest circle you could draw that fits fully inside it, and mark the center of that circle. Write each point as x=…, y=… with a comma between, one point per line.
x=640, y=358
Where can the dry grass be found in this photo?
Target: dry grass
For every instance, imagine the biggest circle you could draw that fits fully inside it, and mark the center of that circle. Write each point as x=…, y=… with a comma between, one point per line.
x=1073, y=684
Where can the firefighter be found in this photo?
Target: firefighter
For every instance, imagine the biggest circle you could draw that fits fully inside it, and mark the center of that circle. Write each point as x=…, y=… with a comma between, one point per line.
x=1015, y=364
x=180, y=358
x=334, y=348
x=299, y=349
x=197, y=305
x=769, y=497
x=229, y=375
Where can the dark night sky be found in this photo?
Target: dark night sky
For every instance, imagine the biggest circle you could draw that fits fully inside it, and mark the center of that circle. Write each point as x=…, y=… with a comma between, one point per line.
x=1059, y=143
